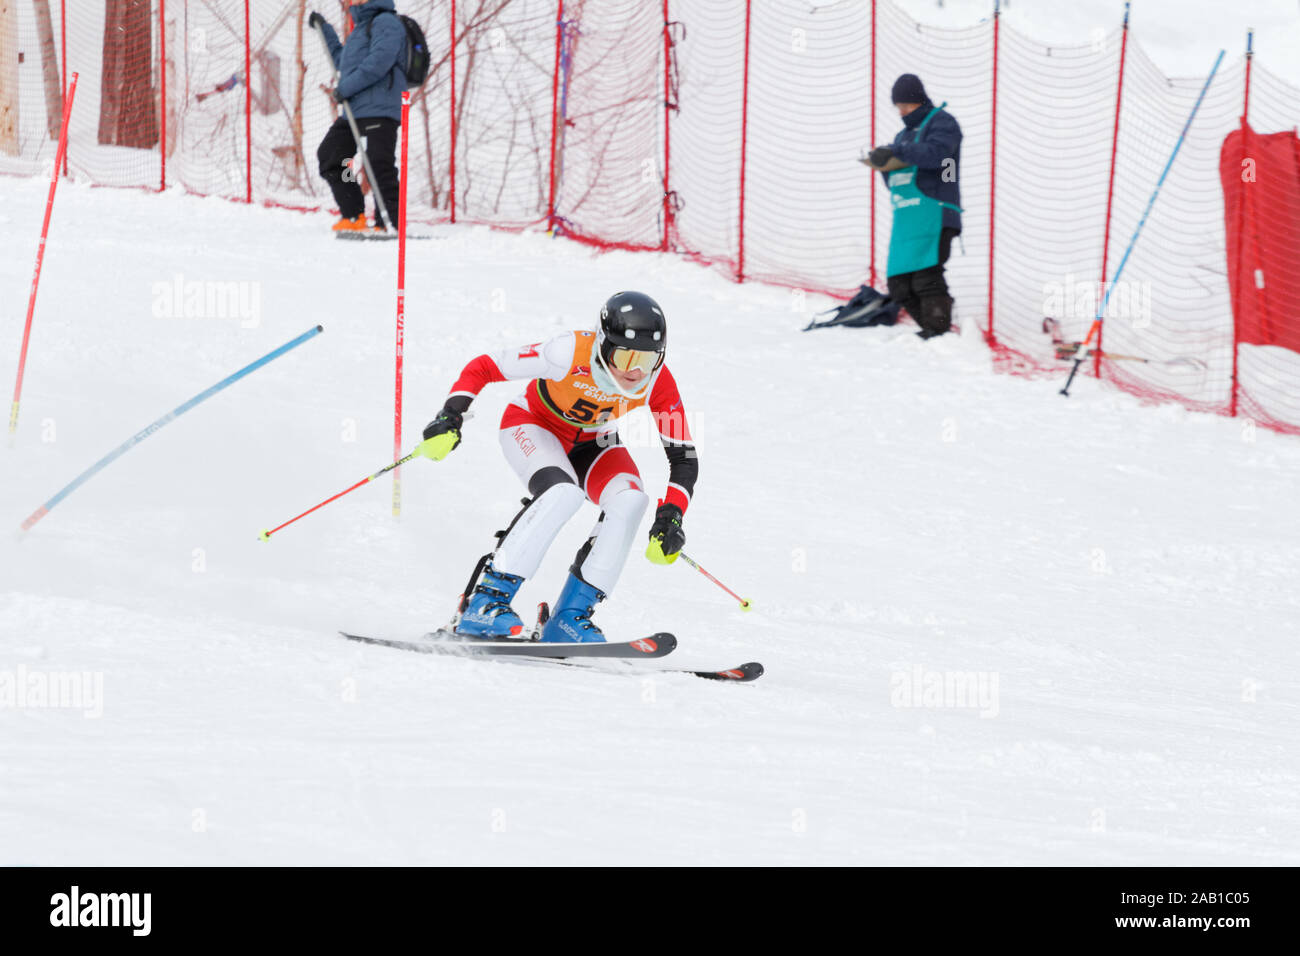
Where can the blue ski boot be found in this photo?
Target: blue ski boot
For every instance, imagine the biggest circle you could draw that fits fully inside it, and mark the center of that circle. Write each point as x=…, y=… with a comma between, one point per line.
x=487, y=612
x=570, y=620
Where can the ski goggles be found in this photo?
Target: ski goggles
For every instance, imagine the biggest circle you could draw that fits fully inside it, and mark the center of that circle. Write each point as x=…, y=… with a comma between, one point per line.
x=627, y=359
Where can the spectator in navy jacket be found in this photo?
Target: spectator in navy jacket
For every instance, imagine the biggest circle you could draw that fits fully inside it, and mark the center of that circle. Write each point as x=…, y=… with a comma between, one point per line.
x=371, y=80
x=921, y=168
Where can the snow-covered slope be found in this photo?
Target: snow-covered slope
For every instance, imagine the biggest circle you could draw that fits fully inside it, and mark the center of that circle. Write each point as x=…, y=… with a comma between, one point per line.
x=1120, y=580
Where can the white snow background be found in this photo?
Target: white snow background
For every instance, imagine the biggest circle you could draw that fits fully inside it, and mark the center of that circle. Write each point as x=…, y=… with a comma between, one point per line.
x=1126, y=573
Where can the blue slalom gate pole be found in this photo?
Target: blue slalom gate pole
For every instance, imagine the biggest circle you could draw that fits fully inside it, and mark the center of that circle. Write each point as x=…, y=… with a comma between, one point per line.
x=1110, y=286
x=145, y=432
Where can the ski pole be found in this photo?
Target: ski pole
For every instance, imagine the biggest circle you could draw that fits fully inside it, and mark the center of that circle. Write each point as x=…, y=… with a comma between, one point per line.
x=356, y=136
x=266, y=535
x=1095, y=328
x=744, y=604
x=175, y=413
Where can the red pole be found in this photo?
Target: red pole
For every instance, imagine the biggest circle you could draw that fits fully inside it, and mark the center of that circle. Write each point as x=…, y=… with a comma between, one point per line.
x=401, y=308
x=744, y=148
x=63, y=44
x=874, y=277
x=40, y=254
x=667, y=206
x=1241, y=223
x=1110, y=186
x=993, y=163
x=452, y=192
x=162, y=59
x=248, y=107
x=555, y=110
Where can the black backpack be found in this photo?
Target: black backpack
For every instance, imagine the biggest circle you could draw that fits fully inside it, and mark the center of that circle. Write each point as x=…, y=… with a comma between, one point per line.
x=867, y=307
x=414, y=59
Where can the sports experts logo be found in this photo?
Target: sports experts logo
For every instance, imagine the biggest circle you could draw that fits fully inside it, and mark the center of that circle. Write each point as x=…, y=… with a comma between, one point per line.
x=75, y=909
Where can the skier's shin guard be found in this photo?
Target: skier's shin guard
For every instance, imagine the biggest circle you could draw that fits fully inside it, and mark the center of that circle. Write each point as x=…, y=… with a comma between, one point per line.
x=601, y=559
x=533, y=530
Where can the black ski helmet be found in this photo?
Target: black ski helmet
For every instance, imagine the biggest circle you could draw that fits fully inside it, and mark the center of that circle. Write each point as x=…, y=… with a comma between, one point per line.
x=632, y=320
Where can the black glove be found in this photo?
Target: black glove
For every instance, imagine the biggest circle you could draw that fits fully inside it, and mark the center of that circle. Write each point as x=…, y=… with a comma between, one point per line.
x=666, y=535
x=337, y=96
x=315, y=21
x=880, y=155
x=448, y=420
x=448, y=423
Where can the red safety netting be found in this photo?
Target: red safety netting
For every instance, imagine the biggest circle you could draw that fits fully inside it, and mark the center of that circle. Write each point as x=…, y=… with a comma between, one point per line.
x=1261, y=187
x=729, y=132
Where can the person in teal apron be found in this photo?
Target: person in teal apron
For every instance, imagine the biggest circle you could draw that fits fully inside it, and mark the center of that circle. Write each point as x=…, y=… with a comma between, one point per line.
x=921, y=170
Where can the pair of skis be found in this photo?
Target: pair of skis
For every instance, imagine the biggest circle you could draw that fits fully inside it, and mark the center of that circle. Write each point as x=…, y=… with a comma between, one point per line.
x=388, y=236
x=444, y=641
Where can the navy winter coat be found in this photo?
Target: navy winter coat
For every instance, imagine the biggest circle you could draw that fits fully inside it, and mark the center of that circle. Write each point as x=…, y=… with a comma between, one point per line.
x=940, y=140
x=370, y=77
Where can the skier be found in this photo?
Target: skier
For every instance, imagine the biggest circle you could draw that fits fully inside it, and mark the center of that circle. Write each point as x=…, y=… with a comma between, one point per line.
x=561, y=438
x=372, y=82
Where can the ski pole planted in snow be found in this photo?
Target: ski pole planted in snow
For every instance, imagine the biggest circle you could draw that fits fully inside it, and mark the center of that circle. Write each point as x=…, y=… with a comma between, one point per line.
x=744, y=603
x=144, y=433
x=1095, y=328
x=59, y=154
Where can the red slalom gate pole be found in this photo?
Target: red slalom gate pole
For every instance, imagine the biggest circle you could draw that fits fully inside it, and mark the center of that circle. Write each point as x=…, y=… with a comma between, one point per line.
x=401, y=307
x=40, y=255
x=266, y=535
x=1110, y=187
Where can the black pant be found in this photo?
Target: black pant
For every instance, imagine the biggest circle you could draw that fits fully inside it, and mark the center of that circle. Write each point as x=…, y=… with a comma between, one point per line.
x=339, y=146
x=924, y=293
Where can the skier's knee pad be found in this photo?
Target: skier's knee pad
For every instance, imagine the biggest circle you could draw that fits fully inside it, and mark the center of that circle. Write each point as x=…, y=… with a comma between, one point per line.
x=534, y=528
x=626, y=506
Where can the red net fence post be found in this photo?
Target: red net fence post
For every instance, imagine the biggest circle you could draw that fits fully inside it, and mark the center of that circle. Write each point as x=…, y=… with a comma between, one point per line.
x=668, y=106
x=63, y=64
x=990, y=334
x=1241, y=220
x=872, y=227
x=555, y=115
x=744, y=142
x=1110, y=181
x=162, y=98
x=451, y=104
x=248, y=105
